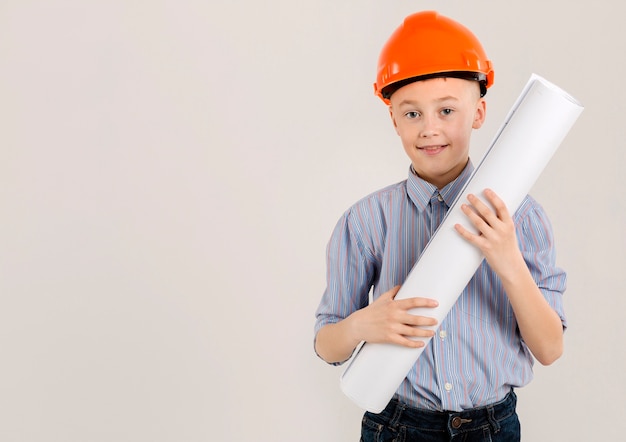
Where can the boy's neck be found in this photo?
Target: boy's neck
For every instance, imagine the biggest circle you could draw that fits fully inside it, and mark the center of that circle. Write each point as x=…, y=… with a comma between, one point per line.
x=414, y=172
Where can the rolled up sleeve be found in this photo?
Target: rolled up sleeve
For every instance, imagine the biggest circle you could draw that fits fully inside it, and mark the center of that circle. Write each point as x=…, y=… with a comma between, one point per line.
x=349, y=275
x=537, y=246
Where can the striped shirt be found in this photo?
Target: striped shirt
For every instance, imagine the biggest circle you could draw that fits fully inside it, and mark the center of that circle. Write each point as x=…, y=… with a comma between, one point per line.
x=477, y=355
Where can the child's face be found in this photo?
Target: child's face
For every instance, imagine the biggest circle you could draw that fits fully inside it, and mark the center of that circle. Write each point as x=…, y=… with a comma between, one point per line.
x=434, y=119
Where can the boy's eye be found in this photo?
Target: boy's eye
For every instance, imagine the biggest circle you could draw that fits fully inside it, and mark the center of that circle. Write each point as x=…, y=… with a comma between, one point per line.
x=446, y=111
x=412, y=114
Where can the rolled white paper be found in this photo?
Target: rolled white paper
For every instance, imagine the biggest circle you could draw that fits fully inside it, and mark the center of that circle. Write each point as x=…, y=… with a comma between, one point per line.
x=531, y=133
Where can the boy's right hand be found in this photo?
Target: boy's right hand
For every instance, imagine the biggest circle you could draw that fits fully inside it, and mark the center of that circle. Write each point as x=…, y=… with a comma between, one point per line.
x=388, y=321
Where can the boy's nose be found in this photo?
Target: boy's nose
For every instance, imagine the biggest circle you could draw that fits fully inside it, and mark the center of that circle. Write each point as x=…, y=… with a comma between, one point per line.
x=428, y=128
x=427, y=133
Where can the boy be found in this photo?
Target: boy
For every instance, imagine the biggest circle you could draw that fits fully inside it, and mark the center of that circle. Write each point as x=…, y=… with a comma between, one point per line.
x=433, y=74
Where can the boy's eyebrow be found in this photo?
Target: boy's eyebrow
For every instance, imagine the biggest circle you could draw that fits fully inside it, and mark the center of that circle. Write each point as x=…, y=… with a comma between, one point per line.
x=414, y=102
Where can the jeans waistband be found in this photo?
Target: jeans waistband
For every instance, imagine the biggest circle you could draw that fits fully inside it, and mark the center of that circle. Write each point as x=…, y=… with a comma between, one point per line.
x=399, y=414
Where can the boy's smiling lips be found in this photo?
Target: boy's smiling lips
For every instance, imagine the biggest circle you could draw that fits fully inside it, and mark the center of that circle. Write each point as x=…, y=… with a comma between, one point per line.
x=432, y=149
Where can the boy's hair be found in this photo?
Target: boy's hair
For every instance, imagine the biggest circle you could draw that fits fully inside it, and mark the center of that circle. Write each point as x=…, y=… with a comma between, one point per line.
x=481, y=78
x=430, y=45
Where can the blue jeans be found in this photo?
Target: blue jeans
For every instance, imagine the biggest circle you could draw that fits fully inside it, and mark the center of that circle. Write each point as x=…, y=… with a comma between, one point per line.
x=399, y=423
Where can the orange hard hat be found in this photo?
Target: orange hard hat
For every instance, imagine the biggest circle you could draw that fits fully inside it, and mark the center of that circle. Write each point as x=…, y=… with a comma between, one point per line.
x=429, y=45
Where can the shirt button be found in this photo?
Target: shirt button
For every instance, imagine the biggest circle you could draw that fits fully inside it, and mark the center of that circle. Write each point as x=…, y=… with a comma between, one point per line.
x=443, y=334
x=448, y=386
x=440, y=198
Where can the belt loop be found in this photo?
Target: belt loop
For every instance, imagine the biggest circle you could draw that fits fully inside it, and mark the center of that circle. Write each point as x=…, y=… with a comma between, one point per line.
x=492, y=419
x=397, y=414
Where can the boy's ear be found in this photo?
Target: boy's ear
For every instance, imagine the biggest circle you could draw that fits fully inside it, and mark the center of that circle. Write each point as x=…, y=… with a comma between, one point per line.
x=393, y=119
x=481, y=113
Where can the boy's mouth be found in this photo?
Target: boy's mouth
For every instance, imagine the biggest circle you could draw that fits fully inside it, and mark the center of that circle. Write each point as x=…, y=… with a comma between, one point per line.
x=433, y=149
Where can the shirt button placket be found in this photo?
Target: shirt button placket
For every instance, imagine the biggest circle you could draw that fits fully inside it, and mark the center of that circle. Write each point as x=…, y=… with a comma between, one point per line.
x=447, y=386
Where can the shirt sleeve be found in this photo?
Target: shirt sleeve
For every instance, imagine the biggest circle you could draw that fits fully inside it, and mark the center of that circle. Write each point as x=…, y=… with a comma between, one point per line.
x=537, y=245
x=349, y=276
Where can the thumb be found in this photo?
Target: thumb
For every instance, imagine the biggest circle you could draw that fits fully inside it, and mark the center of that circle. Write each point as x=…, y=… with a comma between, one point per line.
x=391, y=293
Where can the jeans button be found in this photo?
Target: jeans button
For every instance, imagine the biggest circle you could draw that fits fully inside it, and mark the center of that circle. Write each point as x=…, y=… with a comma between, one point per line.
x=456, y=422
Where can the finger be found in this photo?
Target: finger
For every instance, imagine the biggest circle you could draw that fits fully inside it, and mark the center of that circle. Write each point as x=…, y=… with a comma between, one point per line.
x=390, y=294
x=501, y=210
x=472, y=238
x=408, y=342
x=419, y=321
x=475, y=218
x=394, y=291
x=417, y=332
x=410, y=303
x=413, y=337
x=483, y=210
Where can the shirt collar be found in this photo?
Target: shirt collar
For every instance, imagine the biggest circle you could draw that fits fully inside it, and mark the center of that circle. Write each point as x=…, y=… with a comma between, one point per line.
x=421, y=192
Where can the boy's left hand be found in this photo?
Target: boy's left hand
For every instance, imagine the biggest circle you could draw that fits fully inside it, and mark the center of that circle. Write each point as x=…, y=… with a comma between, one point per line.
x=496, y=238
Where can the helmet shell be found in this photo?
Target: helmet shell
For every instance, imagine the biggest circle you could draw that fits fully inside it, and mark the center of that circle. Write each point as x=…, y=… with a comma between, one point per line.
x=428, y=44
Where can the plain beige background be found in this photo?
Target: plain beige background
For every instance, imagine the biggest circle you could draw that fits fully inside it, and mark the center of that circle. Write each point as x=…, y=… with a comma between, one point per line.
x=170, y=172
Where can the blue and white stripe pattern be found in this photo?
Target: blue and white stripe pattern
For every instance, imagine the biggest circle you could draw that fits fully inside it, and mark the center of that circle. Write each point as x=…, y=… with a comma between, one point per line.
x=477, y=354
